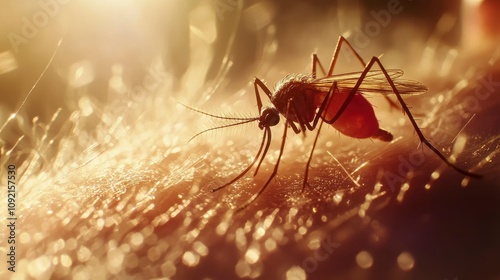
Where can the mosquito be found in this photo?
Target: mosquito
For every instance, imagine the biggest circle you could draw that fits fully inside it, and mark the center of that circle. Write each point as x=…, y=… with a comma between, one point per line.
x=306, y=102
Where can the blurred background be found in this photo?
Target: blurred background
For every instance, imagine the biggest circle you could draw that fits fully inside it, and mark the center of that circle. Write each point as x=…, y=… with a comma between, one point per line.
x=89, y=114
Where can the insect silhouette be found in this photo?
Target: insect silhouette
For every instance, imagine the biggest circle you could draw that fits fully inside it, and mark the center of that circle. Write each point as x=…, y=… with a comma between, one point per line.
x=306, y=102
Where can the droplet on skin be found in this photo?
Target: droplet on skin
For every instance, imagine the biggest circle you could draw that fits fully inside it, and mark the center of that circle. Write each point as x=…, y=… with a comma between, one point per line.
x=136, y=240
x=66, y=260
x=337, y=198
x=259, y=233
x=295, y=273
x=154, y=254
x=405, y=261
x=24, y=238
x=38, y=266
x=314, y=243
x=270, y=245
x=115, y=259
x=302, y=230
x=403, y=191
x=168, y=269
x=221, y=228
x=364, y=259
x=190, y=259
x=241, y=239
x=459, y=146
x=200, y=248
x=252, y=255
x=277, y=234
x=242, y=269
x=83, y=254
x=131, y=261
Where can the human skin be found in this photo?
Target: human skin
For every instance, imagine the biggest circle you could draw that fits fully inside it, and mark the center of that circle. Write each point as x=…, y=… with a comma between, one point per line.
x=119, y=213
x=132, y=199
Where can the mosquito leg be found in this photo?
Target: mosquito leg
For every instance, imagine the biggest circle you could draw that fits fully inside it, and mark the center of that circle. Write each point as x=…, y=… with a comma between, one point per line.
x=306, y=174
x=267, y=136
x=355, y=89
x=311, y=126
x=405, y=109
x=316, y=61
x=356, y=54
x=336, y=53
x=268, y=143
x=340, y=42
x=294, y=128
x=315, y=122
x=415, y=126
x=275, y=170
x=302, y=123
x=256, y=84
x=323, y=106
x=335, y=56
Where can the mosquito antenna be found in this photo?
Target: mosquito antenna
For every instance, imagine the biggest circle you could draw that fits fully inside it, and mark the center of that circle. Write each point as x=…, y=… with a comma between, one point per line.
x=223, y=126
x=217, y=116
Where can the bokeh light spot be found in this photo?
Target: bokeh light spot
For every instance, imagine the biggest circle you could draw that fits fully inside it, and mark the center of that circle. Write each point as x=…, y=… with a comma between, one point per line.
x=364, y=259
x=406, y=261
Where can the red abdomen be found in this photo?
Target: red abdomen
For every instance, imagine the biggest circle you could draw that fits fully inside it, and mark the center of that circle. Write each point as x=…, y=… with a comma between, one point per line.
x=358, y=120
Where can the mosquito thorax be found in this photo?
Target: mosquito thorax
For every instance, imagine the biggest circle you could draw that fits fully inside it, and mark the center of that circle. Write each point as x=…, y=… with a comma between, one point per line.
x=269, y=116
x=288, y=88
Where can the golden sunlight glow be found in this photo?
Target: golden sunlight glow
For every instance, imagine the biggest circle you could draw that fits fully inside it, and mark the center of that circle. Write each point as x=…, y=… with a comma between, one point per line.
x=473, y=2
x=112, y=184
x=7, y=62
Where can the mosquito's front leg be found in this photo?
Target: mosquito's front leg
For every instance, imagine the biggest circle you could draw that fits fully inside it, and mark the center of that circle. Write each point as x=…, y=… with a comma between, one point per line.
x=294, y=128
x=266, y=136
x=256, y=84
x=275, y=170
x=302, y=122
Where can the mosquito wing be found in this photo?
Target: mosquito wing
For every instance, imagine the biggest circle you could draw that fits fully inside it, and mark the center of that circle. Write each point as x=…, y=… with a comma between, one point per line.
x=374, y=82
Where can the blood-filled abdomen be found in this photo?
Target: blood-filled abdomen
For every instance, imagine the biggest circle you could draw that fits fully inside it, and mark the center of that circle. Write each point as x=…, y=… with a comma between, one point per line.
x=358, y=120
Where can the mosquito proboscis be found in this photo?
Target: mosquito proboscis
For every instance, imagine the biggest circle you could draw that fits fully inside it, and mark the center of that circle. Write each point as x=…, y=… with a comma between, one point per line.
x=306, y=102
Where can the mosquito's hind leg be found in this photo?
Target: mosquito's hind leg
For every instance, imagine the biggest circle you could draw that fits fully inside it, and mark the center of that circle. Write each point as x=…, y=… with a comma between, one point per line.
x=316, y=61
x=340, y=43
x=405, y=109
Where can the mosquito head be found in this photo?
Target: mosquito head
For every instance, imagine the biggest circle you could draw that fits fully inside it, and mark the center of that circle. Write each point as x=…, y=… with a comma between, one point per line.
x=269, y=116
